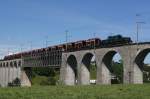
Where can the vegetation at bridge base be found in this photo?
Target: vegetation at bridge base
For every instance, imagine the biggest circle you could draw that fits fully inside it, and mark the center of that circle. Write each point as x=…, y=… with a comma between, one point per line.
x=78, y=92
x=146, y=73
x=44, y=76
x=15, y=83
x=116, y=70
x=93, y=71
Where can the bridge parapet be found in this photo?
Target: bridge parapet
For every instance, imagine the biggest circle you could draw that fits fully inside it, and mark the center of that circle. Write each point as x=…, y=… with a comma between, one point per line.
x=43, y=59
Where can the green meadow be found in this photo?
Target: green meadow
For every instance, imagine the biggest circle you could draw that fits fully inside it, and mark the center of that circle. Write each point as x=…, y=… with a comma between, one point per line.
x=77, y=92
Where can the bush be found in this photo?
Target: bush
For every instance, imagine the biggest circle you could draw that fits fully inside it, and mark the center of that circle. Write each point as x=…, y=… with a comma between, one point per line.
x=48, y=81
x=52, y=80
x=14, y=83
x=44, y=76
x=43, y=71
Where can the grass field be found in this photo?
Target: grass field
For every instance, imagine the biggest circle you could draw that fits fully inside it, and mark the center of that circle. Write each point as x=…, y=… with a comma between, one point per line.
x=78, y=92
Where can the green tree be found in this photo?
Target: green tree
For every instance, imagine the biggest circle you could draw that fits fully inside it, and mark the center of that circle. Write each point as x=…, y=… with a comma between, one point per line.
x=117, y=70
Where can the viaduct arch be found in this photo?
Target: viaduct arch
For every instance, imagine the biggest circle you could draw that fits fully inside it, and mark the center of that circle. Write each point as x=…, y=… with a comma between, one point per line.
x=139, y=64
x=107, y=69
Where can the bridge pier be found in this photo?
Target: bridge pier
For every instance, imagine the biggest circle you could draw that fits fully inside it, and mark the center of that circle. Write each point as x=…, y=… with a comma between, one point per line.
x=137, y=75
x=84, y=75
x=11, y=74
x=25, y=80
x=6, y=74
x=68, y=73
x=3, y=76
x=103, y=73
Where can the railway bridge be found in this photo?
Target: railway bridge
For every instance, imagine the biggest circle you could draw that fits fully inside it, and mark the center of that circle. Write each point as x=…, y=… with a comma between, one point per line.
x=74, y=66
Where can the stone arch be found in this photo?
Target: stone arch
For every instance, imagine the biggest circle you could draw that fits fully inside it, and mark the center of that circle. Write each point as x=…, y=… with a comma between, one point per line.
x=11, y=70
x=3, y=64
x=71, y=70
x=85, y=68
x=15, y=64
x=6, y=72
x=107, y=66
x=140, y=57
x=11, y=64
x=18, y=68
x=15, y=70
x=19, y=63
x=7, y=64
x=139, y=65
x=108, y=58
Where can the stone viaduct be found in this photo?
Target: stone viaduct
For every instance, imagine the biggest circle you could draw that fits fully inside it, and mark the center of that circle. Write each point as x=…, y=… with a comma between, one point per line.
x=10, y=70
x=74, y=67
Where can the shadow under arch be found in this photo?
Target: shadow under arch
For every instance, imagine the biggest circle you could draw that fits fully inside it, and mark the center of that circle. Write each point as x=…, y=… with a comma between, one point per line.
x=85, y=68
x=87, y=60
x=71, y=70
x=110, y=68
x=139, y=60
x=140, y=68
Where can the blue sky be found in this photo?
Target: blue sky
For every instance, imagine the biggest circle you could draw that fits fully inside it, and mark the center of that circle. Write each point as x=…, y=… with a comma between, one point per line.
x=26, y=21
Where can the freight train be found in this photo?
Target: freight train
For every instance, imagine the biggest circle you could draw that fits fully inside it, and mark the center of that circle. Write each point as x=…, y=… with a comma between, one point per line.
x=111, y=41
